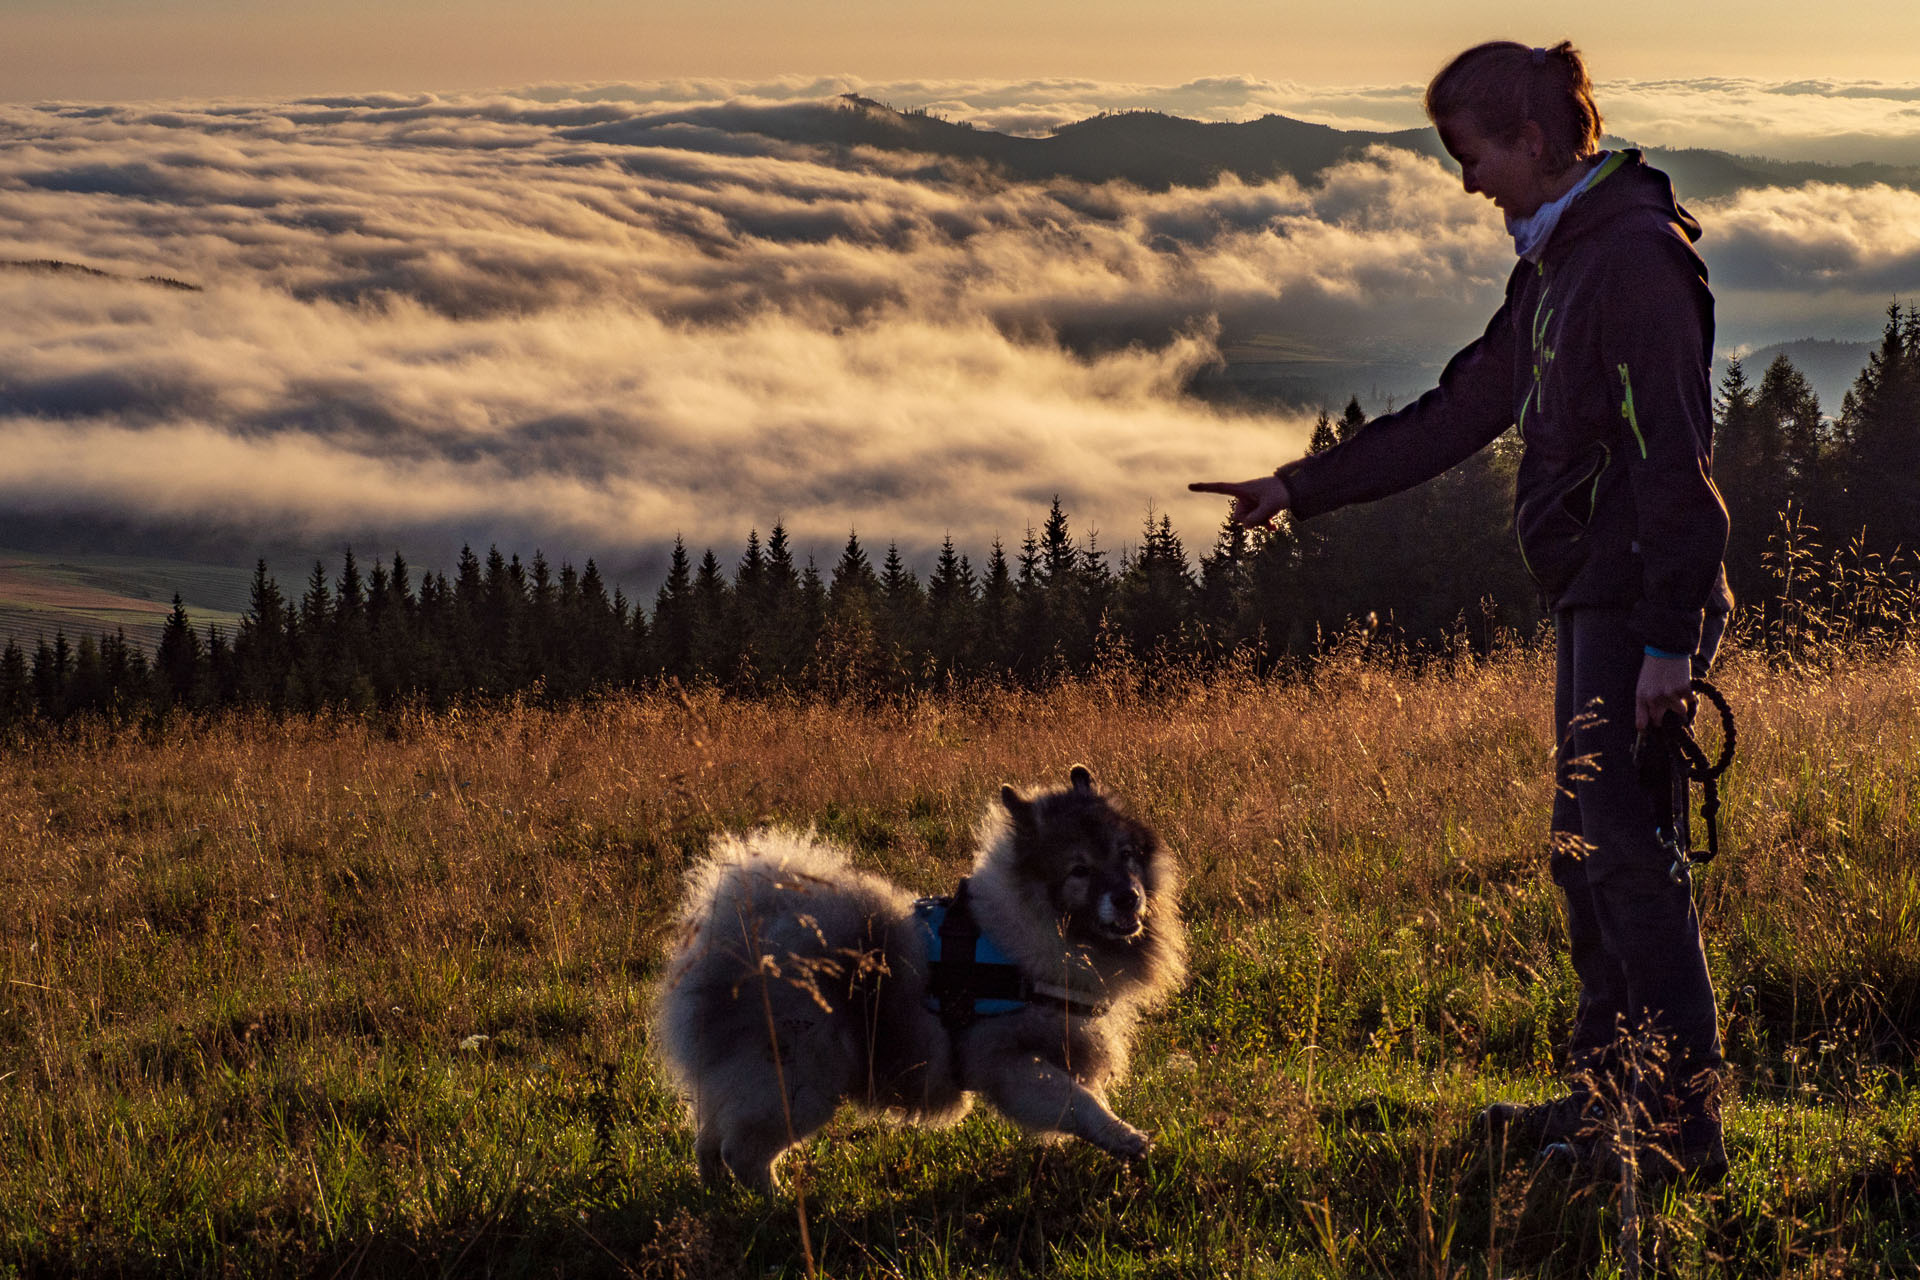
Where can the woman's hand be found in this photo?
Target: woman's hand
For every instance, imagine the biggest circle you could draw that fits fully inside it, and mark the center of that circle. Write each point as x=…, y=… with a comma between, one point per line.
x=1255, y=502
x=1666, y=684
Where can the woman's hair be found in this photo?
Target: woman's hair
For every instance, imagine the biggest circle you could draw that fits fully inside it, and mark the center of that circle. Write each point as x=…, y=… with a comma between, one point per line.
x=1505, y=84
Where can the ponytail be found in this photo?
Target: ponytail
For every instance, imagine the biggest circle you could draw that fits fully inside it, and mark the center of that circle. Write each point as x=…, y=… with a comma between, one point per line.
x=1504, y=84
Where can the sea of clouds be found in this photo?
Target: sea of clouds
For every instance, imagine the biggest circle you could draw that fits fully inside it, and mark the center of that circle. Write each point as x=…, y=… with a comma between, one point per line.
x=590, y=318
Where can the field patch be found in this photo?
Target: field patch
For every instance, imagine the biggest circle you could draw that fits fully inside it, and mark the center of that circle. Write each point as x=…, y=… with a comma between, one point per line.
x=41, y=595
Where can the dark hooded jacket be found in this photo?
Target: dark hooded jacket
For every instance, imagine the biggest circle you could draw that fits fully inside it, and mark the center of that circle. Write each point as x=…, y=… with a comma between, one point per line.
x=1600, y=356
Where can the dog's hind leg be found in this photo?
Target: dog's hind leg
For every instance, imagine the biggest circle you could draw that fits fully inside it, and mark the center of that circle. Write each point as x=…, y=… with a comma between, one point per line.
x=1039, y=1096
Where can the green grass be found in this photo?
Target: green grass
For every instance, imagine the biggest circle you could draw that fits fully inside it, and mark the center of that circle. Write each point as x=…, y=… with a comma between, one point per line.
x=369, y=997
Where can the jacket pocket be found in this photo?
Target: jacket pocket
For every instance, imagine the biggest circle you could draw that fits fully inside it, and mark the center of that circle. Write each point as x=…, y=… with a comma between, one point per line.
x=1582, y=499
x=1552, y=529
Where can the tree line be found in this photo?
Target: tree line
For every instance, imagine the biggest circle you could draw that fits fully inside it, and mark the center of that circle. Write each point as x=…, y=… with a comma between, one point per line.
x=1436, y=565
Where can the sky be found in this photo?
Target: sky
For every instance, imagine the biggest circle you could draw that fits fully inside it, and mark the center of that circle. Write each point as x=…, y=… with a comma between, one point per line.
x=119, y=49
x=465, y=276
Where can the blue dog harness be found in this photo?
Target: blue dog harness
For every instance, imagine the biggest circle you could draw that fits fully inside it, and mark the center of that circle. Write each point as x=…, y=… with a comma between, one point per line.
x=969, y=977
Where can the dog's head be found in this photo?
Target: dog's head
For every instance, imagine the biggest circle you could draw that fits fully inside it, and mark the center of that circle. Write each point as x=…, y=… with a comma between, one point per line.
x=1104, y=872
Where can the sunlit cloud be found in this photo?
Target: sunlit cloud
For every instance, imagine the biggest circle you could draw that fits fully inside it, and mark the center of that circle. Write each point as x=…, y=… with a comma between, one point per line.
x=593, y=318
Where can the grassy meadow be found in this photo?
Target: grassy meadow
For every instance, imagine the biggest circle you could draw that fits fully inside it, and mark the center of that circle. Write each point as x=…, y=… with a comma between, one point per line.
x=368, y=997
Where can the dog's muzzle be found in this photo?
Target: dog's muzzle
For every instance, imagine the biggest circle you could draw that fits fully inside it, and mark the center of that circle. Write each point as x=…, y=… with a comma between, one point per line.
x=1122, y=914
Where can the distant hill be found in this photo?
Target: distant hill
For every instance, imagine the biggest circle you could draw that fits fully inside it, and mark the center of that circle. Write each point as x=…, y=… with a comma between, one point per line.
x=1147, y=148
x=41, y=594
x=1829, y=365
x=1156, y=151
x=53, y=266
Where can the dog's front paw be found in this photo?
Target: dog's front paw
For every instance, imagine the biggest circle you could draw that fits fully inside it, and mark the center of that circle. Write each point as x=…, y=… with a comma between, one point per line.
x=1125, y=1141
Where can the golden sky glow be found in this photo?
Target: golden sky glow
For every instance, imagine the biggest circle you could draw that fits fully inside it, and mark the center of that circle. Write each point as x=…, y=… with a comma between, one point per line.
x=120, y=49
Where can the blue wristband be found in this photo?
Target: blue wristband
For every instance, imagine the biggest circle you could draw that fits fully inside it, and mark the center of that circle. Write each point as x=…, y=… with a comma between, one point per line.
x=1662, y=653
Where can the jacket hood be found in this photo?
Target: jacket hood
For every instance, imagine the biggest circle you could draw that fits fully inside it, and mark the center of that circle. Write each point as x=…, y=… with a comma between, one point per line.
x=1634, y=187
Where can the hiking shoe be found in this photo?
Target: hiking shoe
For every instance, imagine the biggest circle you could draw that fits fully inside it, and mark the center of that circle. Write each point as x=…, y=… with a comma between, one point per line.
x=1534, y=1126
x=1690, y=1156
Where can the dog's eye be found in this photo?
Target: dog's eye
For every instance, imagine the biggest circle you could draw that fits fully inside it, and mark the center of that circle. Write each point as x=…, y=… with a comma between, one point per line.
x=1080, y=873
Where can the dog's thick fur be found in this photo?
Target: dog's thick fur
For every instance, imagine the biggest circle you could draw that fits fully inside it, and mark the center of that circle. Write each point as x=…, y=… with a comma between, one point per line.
x=798, y=982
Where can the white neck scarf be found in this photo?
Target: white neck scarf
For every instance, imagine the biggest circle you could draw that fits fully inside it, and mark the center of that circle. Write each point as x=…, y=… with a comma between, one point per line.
x=1531, y=233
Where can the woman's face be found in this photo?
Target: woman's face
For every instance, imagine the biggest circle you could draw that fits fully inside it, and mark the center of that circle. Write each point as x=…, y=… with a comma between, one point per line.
x=1509, y=173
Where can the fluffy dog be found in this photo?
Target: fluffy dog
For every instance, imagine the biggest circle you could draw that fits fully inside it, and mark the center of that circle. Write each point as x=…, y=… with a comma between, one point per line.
x=799, y=982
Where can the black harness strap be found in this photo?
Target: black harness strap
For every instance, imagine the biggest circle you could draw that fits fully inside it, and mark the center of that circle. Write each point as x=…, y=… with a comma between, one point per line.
x=959, y=980
x=956, y=977
x=1670, y=760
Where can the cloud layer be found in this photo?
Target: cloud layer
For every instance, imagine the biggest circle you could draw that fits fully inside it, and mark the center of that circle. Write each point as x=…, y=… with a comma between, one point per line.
x=592, y=318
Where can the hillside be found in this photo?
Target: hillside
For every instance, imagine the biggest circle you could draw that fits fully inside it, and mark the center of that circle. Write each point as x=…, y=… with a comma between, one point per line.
x=42, y=594
x=1830, y=366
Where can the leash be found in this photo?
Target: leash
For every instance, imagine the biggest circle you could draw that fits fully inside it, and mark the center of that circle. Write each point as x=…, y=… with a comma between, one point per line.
x=1670, y=760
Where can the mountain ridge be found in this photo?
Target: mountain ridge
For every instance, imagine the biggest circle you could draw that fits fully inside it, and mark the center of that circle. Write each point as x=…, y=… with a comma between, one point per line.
x=1155, y=150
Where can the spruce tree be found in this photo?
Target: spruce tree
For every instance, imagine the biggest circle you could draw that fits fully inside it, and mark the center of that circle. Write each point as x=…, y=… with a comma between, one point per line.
x=177, y=660
x=1033, y=639
x=1740, y=473
x=786, y=644
x=542, y=621
x=600, y=628
x=1768, y=456
x=713, y=648
x=1325, y=435
x=1352, y=418
x=220, y=685
x=316, y=653
x=637, y=660
x=88, y=692
x=351, y=636
x=673, y=617
x=16, y=693
x=126, y=675
x=1880, y=425
x=951, y=613
x=903, y=621
x=262, y=652
x=52, y=667
x=437, y=638
x=1790, y=411
x=848, y=656
x=999, y=634
x=466, y=623
x=1220, y=605
x=751, y=614
x=1155, y=598
x=854, y=587
x=395, y=651
x=1073, y=585
x=814, y=607
x=568, y=677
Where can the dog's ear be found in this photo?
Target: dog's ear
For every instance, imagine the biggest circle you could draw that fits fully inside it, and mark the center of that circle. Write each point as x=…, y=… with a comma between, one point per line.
x=1082, y=779
x=1019, y=808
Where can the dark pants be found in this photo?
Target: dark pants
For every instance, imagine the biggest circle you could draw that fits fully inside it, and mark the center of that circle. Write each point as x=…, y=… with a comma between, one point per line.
x=1632, y=930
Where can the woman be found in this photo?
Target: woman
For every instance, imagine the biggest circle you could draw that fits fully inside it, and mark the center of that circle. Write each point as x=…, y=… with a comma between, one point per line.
x=1599, y=356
